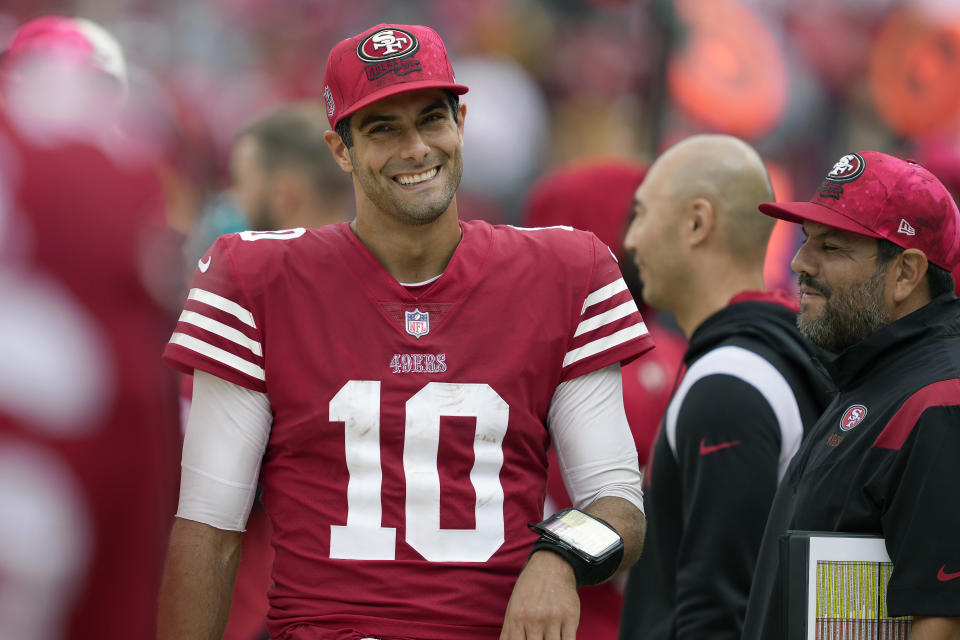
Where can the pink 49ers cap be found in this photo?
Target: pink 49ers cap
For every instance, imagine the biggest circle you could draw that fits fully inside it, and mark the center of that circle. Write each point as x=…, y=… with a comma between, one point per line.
x=880, y=196
x=69, y=39
x=383, y=61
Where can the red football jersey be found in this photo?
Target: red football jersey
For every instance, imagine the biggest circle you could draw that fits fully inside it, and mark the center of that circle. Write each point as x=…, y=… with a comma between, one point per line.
x=408, y=450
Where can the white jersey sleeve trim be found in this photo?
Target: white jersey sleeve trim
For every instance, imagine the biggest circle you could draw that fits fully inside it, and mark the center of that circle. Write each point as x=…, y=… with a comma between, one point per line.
x=556, y=226
x=222, y=330
x=218, y=354
x=595, y=449
x=224, y=304
x=602, y=344
x=226, y=436
x=604, y=293
x=758, y=373
x=605, y=318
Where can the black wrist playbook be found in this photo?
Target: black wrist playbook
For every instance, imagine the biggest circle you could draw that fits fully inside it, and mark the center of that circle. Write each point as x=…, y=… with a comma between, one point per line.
x=592, y=547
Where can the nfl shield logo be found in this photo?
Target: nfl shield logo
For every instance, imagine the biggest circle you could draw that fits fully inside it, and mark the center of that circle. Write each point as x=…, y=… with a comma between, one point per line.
x=418, y=323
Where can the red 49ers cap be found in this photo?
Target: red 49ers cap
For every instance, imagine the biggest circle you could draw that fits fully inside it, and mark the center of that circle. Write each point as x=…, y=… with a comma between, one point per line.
x=383, y=61
x=880, y=196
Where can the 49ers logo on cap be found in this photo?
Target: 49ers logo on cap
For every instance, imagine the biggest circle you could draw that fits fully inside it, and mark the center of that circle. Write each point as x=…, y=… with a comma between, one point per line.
x=387, y=44
x=847, y=168
x=852, y=417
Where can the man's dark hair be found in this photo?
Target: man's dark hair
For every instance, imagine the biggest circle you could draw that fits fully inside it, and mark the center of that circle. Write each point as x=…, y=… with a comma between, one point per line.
x=343, y=127
x=939, y=280
x=292, y=137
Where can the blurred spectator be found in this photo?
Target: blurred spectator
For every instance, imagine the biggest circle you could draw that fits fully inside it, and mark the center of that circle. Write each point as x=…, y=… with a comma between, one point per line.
x=598, y=198
x=64, y=75
x=748, y=391
x=283, y=173
x=88, y=436
x=493, y=172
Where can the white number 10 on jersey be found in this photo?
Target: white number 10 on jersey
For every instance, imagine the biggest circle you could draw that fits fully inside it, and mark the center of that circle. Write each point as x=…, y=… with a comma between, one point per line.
x=357, y=405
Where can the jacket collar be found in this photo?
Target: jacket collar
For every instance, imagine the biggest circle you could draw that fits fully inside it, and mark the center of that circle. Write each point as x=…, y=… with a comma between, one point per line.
x=941, y=315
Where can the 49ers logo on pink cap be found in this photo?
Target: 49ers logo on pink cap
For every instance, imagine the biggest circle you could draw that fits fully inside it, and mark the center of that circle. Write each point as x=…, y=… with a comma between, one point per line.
x=852, y=417
x=387, y=44
x=849, y=167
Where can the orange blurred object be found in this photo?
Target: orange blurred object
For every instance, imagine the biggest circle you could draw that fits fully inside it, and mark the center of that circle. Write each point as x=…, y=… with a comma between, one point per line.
x=730, y=75
x=783, y=240
x=915, y=71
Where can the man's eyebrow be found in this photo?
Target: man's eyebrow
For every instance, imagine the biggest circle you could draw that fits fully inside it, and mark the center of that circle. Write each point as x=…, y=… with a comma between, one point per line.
x=829, y=233
x=439, y=104
x=373, y=118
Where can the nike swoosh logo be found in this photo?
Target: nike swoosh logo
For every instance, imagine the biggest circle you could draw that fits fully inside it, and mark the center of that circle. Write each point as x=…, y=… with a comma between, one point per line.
x=707, y=449
x=204, y=265
x=943, y=576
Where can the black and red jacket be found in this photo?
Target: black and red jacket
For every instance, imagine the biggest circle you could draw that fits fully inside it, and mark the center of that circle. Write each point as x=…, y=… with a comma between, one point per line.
x=884, y=459
x=750, y=389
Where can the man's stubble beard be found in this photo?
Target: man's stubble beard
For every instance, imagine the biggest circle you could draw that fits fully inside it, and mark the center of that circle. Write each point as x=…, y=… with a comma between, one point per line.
x=848, y=316
x=418, y=212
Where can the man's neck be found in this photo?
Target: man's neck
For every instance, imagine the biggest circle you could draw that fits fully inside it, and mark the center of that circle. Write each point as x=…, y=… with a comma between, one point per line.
x=410, y=253
x=710, y=293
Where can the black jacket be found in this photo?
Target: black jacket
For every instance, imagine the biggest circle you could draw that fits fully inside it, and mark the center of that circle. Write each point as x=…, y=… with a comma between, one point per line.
x=735, y=419
x=884, y=460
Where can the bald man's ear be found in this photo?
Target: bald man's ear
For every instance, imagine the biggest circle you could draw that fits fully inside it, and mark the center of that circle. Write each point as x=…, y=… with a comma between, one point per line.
x=339, y=150
x=908, y=271
x=700, y=220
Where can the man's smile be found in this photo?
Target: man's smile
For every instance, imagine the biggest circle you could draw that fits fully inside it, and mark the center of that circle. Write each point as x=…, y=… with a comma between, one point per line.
x=414, y=179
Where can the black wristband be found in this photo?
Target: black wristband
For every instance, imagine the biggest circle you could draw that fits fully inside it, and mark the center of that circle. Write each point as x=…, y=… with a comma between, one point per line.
x=587, y=572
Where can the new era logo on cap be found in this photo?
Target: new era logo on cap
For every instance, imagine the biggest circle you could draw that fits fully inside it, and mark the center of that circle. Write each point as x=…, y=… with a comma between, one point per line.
x=383, y=61
x=871, y=193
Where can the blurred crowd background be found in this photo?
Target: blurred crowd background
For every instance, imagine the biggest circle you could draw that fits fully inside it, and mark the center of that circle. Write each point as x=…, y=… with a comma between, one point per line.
x=554, y=85
x=555, y=82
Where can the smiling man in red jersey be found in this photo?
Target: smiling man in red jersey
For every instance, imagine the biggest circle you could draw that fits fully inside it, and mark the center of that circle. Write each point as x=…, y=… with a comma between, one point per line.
x=740, y=410
x=395, y=383
x=882, y=235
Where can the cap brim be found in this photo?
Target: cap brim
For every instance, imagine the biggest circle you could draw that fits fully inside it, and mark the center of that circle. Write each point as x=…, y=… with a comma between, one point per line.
x=402, y=87
x=800, y=212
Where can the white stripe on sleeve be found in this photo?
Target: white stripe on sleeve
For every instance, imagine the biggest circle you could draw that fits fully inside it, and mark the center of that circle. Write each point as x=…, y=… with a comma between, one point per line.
x=607, y=317
x=602, y=344
x=219, y=302
x=604, y=293
x=222, y=330
x=218, y=354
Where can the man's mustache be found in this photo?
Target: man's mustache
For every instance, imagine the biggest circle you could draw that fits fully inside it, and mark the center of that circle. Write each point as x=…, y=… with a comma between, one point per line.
x=805, y=280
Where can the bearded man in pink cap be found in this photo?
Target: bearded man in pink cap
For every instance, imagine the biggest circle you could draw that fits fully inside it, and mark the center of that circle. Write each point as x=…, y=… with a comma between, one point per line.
x=395, y=382
x=882, y=236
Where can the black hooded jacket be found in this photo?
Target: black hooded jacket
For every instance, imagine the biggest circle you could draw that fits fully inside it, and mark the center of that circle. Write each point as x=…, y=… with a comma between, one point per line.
x=750, y=389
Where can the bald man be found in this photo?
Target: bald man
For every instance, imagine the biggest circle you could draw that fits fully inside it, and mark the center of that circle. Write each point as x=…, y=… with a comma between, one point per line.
x=738, y=414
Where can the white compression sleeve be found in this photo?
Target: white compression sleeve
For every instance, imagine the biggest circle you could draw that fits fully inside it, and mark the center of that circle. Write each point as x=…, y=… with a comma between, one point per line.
x=595, y=448
x=226, y=435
